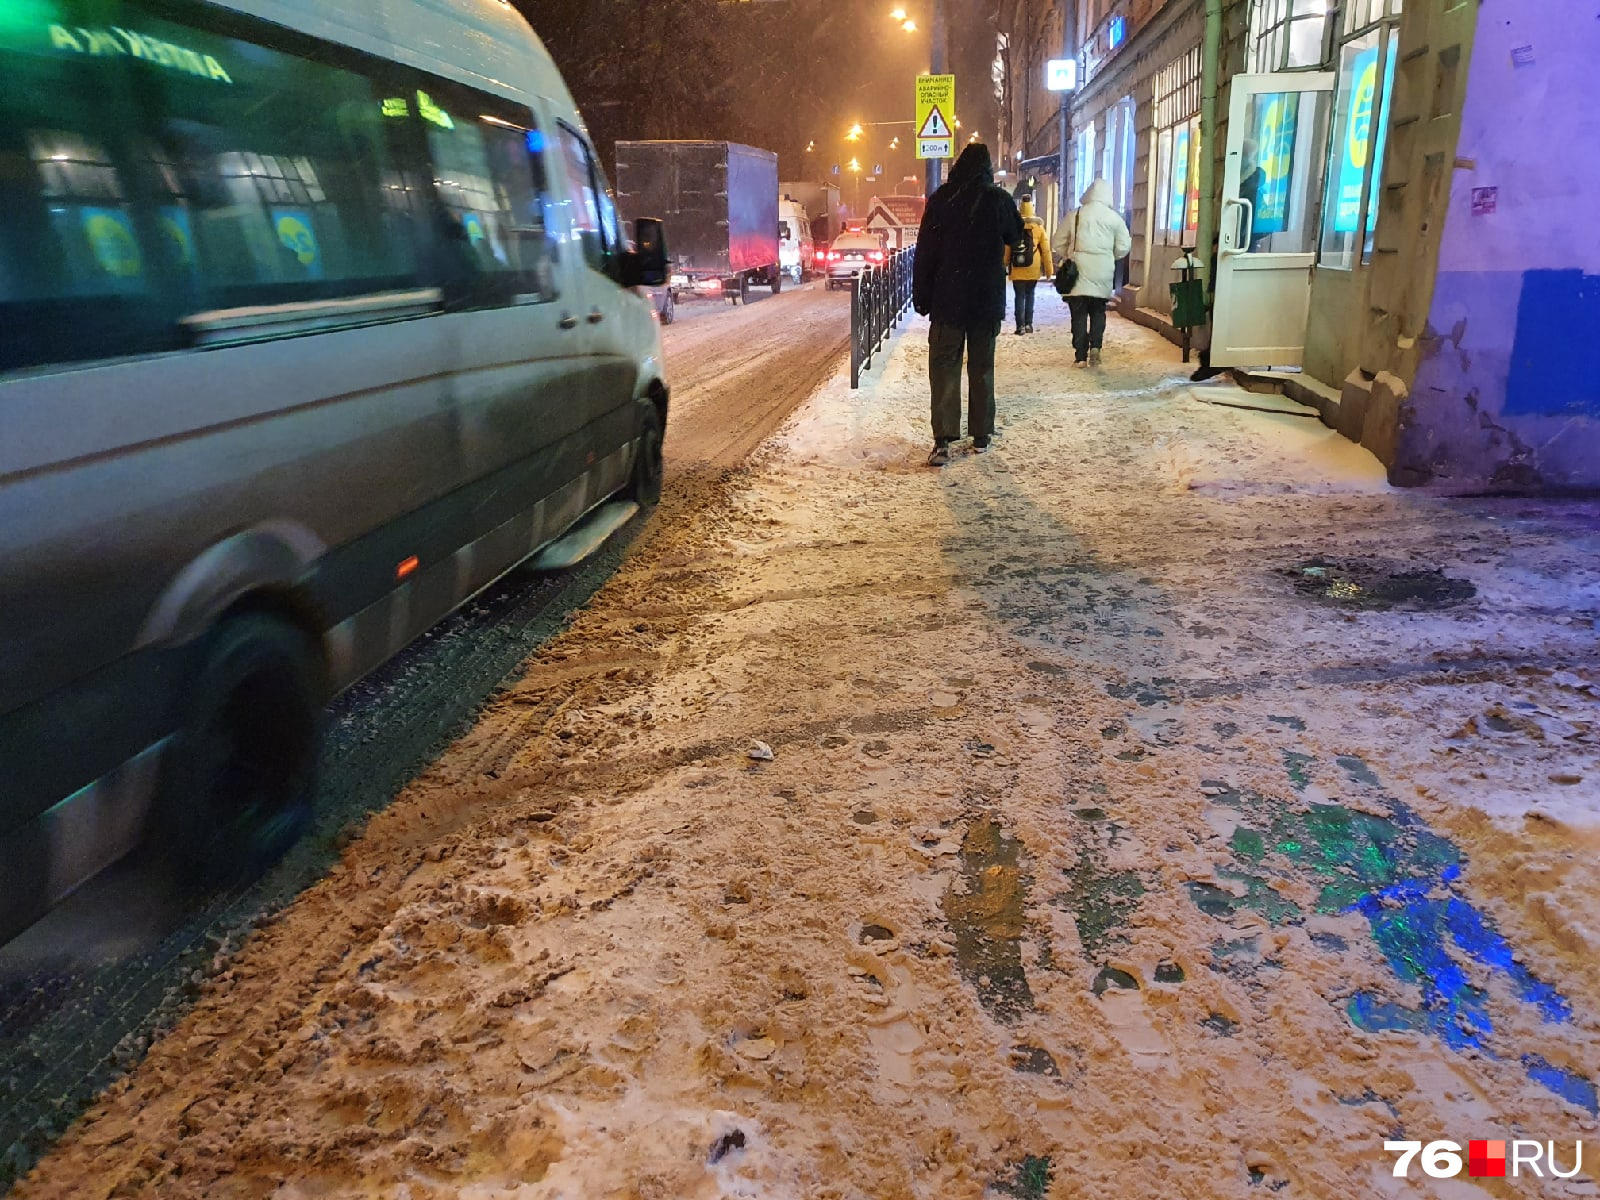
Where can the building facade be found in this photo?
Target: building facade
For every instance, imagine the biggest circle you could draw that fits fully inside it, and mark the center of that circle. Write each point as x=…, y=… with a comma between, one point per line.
x=1401, y=207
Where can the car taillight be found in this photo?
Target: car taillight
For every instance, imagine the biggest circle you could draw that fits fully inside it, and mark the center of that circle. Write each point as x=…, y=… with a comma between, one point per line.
x=876, y=256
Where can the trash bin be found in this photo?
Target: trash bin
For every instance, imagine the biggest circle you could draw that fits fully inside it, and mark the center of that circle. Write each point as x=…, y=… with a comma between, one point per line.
x=1188, y=298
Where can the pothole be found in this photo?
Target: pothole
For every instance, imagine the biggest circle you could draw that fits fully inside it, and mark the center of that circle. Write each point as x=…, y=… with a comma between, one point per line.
x=1377, y=585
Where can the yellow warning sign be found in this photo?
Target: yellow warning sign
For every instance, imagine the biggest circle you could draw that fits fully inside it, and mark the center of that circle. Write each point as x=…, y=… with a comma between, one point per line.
x=936, y=115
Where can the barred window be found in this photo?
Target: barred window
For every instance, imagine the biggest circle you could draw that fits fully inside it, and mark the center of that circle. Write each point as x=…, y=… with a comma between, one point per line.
x=1176, y=151
x=1291, y=34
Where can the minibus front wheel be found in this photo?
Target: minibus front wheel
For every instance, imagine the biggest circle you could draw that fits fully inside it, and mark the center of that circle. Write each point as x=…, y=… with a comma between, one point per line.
x=240, y=774
x=645, y=486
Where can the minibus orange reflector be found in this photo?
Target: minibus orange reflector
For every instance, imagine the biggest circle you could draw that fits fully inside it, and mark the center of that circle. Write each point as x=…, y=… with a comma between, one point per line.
x=406, y=566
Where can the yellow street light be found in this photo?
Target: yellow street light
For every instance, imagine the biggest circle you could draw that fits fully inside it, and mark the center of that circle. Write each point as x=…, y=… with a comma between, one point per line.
x=855, y=133
x=909, y=25
x=898, y=14
x=855, y=166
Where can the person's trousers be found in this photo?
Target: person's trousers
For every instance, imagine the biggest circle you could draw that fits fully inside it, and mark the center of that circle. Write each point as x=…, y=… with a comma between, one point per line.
x=946, y=343
x=1024, y=289
x=1088, y=324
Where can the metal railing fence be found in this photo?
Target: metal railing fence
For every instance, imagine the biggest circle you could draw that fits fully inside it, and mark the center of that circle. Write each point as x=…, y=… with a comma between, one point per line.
x=878, y=299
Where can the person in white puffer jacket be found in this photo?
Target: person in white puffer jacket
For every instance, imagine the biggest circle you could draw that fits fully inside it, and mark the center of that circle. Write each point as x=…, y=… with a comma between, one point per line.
x=1094, y=237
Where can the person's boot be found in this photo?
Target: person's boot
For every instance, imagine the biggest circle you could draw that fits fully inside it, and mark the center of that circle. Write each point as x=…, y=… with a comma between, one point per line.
x=940, y=455
x=1205, y=371
x=1094, y=356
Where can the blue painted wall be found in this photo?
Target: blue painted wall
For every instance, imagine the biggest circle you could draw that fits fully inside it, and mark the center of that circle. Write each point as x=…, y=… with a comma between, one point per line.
x=1555, y=360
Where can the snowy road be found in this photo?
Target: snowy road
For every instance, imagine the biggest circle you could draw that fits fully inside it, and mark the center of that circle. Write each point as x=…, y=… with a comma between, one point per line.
x=736, y=374
x=1160, y=806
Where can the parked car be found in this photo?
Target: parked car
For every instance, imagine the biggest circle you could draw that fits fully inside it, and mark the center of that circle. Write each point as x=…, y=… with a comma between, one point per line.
x=797, y=253
x=851, y=254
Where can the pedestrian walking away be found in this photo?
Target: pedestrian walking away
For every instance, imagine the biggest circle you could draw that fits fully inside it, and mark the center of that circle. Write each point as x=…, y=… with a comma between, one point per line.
x=1025, y=278
x=959, y=282
x=1095, y=238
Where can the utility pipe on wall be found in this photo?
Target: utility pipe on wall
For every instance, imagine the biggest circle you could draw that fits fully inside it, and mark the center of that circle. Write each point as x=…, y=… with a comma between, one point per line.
x=1065, y=201
x=1210, y=75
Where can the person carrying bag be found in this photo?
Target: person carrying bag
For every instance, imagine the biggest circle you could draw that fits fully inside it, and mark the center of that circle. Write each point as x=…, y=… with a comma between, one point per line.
x=1088, y=251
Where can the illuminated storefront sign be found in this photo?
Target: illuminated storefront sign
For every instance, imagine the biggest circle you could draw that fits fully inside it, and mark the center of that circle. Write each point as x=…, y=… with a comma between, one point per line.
x=117, y=42
x=110, y=236
x=1177, y=217
x=293, y=226
x=1364, y=138
x=432, y=113
x=1275, y=157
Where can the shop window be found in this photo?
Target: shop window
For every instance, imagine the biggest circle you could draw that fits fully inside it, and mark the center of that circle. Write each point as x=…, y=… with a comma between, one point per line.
x=1083, y=167
x=1281, y=151
x=1176, y=137
x=1359, y=137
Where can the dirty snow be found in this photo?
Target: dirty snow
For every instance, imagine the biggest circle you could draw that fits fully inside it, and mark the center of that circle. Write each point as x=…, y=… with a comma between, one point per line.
x=1042, y=890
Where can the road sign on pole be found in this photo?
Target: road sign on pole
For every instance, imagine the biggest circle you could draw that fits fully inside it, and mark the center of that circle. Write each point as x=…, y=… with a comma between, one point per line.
x=936, y=109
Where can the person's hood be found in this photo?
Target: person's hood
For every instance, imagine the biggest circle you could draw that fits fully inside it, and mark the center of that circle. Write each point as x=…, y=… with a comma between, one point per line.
x=1027, y=209
x=974, y=166
x=1099, y=193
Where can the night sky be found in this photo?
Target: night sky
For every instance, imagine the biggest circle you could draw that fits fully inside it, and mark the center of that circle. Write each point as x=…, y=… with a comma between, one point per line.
x=773, y=73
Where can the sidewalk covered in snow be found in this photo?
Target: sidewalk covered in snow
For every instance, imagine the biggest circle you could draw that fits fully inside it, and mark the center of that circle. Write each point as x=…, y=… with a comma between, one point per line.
x=1158, y=805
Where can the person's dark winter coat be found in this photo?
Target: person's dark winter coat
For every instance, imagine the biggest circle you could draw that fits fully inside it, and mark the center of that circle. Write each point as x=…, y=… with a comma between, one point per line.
x=960, y=273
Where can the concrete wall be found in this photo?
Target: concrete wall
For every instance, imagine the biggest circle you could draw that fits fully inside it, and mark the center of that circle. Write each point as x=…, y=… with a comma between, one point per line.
x=1506, y=393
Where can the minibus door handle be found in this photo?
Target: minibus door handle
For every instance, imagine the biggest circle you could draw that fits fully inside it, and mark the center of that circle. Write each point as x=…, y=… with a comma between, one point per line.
x=568, y=321
x=596, y=316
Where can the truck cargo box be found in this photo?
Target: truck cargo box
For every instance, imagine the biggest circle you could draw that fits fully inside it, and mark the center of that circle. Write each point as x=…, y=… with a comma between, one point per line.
x=719, y=201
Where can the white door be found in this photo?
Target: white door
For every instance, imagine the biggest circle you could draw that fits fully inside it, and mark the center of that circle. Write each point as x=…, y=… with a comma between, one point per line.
x=1277, y=129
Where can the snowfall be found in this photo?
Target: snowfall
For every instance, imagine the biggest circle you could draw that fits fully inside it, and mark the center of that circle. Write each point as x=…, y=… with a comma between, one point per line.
x=1158, y=805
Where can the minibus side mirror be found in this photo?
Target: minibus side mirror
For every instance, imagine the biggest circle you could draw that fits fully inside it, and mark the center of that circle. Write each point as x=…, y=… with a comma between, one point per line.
x=646, y=265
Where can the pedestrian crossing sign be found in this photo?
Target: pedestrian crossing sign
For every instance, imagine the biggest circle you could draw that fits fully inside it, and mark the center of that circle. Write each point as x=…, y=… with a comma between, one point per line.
x=936, y=106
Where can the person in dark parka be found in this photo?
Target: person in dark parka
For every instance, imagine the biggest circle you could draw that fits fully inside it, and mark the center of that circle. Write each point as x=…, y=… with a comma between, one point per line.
x=959, y=281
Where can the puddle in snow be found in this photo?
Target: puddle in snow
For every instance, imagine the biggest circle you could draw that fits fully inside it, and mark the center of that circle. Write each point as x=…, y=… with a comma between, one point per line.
x=985, y=907
x=1375, y=585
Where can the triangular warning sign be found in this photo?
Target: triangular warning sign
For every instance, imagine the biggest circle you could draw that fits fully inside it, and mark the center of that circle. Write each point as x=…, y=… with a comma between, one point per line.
x=935, y=126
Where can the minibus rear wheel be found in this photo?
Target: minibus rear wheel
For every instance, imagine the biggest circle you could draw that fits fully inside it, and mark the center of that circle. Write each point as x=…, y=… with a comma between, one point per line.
x=240, y=774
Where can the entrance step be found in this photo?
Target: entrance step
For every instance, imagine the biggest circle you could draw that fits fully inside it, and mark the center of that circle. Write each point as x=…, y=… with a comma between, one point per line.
x=584, y=538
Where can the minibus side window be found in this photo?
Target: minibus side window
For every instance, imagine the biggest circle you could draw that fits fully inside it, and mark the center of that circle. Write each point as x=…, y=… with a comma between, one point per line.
x=78, y=257
x=284, y=181
x=582, y=201
x=489, y=180
x=616, y=240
